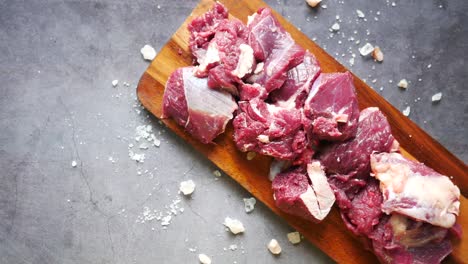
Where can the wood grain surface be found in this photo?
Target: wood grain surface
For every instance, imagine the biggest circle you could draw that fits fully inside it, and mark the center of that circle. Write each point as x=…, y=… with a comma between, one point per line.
x=331, y=236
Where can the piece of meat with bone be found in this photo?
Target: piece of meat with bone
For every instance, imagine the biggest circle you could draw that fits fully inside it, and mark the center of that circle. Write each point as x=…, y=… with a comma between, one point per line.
x=332, y=107
x=273, y=46
x=202, y=111
x=306, y=194
x=299, y=79
x=400, y=240
x=202, y=29
x=347, y=163
x=415, y=190
x=269, y=130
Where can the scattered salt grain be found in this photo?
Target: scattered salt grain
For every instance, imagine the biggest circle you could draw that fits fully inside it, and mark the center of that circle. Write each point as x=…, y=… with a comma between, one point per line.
x=274, y=247
x=436, y=97
x=429, y=66
x=166, y=220
x=217, y=173
x=115, y=83
x=204, y=259
x=313, y=3
x=143, y=146
x=360, y=14
x=403, y=83
x=138, y=157
x=74, y=162
x=234, y=225
x=294, y=237
x=406, y=111
x=377, y=54
x=249, y=204
x=187, y=187
x=233, y=247
x=157, y=142
x=148, y=52
x=366, y=49
x=393, y=4
x=335, y=27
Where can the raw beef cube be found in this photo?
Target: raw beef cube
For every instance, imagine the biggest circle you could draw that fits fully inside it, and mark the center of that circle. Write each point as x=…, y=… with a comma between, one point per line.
x=348, y=163
x=203, y=112
x=305, y=194
x=295, y=89
x=269, y=130
x=400, y=240
x=415, y=190
x=332, y=107
x=202, y=29
x=275, y=47
x=362, y=212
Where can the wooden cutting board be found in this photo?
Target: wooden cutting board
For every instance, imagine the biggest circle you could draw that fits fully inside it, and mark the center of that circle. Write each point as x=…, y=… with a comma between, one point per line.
x=331, y=236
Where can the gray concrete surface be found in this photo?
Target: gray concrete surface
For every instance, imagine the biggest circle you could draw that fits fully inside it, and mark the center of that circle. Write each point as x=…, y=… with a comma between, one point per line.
x=57, y=105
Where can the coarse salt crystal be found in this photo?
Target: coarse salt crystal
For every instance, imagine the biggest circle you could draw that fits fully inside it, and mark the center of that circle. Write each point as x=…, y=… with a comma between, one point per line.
x=148, y=52
x=233, y=247
x=74, y=162
x=366, y=49
x=274, y=247
x=313, y=3
x=249, y=204
x=406, y=111
x=335, y=27
x=234, y=225
x=360, y=14
x=204, y=259
x=115, y=83
x=294, y=237
x=403, y=83
x=187, y=187
x=217, y=173
x=436, y=97
x=377, y=54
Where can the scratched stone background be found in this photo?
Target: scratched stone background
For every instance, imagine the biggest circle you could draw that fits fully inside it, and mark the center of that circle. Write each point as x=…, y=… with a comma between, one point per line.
x=57, y=105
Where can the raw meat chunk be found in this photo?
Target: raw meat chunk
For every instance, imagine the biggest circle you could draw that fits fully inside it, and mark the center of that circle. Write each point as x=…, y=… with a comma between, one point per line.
x=348, y=163
x=305, y=194
x=295, y=89
x=229, y=56
x=362, y=212
x=400, y=240
x=203, y=28
x=415, y=190
x=275, y=47
x=332, y=107
x=269, y=130
x=203, y=112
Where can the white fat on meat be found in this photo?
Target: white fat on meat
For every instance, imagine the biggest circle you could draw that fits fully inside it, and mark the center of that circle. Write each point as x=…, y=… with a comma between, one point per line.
x=417, y=192
x=259, y=67
x=319, y=197
x=211, y=56
x=276, y=167
x=201, y=98
x=246, y=61
x=251, y=18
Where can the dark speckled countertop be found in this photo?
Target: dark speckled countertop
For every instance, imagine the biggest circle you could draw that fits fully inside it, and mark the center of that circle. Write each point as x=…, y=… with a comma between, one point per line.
x=57, y=105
